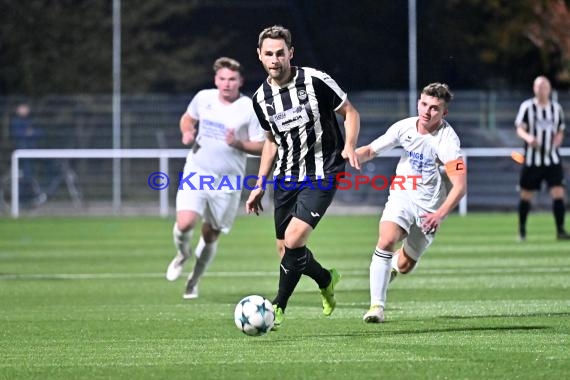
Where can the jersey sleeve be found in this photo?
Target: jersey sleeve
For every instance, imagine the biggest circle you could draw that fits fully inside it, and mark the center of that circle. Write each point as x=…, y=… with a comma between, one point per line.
x=450, y=148
x=561, y=125
x=193, y=107
x=387, y=141
x=254, y=130
x=327, y=90
x=522, y=115
x=263, y=122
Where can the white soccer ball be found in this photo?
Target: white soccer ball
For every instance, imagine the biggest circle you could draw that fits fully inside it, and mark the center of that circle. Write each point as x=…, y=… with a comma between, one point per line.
x=254, y=315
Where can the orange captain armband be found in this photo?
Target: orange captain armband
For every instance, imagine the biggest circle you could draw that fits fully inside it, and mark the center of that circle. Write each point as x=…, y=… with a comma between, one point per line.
x=455, y=167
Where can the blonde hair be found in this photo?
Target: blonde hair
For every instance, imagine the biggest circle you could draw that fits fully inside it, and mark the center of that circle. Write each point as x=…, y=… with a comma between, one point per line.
x=227, y=63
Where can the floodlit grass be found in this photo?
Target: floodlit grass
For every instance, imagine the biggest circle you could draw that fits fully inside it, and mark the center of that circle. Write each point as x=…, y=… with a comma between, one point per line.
x=86, y=298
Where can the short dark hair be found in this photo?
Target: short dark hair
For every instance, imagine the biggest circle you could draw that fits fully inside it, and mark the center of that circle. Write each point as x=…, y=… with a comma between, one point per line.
x=227, y=63
x=438, y=90
x=276, y=32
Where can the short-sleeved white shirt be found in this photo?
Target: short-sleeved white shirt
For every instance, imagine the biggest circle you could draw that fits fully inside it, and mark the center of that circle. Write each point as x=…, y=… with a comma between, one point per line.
x=422, y=156
x=212, y=155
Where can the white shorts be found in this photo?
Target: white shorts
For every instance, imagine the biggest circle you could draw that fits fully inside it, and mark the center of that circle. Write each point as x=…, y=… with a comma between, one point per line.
x=217, y=207
x=406, y=214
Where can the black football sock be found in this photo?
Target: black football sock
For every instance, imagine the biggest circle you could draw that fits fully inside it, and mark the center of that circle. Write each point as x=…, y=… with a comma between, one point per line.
x=314, y=270
x=524, y=209
x=558, y=211
x=292, y=266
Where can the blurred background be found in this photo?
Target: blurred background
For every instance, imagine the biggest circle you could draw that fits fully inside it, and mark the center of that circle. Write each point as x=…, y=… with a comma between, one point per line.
x=119, y=73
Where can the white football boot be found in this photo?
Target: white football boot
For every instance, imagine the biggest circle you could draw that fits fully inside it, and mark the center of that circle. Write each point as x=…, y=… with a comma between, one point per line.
x=374, y=315
x=176, y=265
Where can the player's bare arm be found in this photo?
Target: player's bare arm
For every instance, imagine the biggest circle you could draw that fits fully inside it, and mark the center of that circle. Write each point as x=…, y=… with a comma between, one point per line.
x=268, y=153
x=188, y=129
x=522, y=129
x=558, y=138
x=352, y=128
x=247, y=146
x=457, y=173
x=365, y=153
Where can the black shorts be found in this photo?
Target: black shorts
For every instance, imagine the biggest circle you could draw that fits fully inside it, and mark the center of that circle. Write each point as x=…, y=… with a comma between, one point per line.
x=532, y=176
x=307, y=201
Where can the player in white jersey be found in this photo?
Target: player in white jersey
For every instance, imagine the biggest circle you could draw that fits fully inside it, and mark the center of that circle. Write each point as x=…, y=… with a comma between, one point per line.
x=414, y=213
x=221, y=125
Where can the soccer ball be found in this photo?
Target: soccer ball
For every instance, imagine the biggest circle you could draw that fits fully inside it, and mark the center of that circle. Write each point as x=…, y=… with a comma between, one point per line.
x=254, y=315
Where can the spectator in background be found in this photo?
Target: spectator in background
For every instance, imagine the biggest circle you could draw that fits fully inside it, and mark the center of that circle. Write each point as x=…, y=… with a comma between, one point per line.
x=25, y=135
x=540, y=124
x=222, y=128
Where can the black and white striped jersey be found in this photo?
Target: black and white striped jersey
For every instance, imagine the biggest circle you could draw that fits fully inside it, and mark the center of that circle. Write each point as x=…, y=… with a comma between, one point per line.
x=301, y=116
x=543, y=123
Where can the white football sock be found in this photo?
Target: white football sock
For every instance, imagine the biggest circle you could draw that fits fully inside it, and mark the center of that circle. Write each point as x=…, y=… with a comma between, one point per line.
x=205, y=253
x=395, y=261
x=182, y=240
x=380, y=267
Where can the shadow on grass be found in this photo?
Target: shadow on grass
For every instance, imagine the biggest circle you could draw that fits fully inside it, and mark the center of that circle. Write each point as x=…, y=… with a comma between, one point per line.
x=416, y=331
x=467, y=328
x=377, y=332
x=510, y=315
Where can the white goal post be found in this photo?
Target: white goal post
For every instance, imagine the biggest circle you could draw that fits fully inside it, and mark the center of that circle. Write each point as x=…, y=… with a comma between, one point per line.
x=164, y=155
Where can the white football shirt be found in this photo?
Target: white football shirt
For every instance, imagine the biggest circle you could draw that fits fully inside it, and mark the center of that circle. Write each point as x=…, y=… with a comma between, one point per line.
x=211, y=155
x=422, y=156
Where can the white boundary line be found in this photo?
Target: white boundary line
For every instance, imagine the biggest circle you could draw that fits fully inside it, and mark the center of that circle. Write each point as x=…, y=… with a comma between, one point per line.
x=104, y=276
x=355, y=274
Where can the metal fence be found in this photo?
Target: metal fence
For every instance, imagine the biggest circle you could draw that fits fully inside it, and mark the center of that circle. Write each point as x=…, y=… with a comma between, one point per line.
x=82, y=185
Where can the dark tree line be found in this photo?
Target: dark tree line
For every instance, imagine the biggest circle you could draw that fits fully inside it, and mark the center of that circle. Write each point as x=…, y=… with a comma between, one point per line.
x=65, y=46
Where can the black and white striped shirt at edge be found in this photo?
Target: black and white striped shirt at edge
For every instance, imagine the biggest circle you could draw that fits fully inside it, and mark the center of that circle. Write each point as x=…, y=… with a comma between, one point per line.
x=543, y=123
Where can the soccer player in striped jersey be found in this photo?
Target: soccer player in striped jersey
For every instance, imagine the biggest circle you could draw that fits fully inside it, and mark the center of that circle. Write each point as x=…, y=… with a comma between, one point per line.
x=222, y=129
x=540, y=124
x=415, y=211
x=297, y=108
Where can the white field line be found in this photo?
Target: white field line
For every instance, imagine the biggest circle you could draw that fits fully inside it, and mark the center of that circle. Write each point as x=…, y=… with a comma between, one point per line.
x=103, y=276
x=360, y=273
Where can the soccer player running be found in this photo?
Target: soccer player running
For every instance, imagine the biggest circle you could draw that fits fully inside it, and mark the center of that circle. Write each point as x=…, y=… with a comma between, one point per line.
x=414, y=213
x=223, y=129
x=297, y=106
x=540, y=124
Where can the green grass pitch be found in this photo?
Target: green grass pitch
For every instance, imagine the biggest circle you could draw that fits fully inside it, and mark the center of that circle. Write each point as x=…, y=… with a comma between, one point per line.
x=86, y=298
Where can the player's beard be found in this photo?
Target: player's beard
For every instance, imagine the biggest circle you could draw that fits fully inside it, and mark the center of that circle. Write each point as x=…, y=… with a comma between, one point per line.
x=279, y=74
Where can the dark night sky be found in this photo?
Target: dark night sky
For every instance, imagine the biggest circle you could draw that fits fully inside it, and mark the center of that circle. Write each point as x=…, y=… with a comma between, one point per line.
x=366, y=47
x=363, y=44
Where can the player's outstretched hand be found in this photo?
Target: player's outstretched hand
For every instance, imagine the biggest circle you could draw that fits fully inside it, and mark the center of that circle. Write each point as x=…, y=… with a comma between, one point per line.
x=253, y=203
x=350, y=155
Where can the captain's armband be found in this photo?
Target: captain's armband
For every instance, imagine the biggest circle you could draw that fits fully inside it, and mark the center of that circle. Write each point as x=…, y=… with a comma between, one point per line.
x=455, y=167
